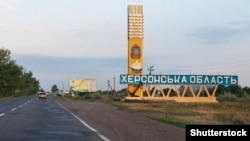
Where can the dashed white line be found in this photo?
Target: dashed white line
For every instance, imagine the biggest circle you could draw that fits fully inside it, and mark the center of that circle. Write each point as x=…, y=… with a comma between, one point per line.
x=2, y=114
x=13, y=109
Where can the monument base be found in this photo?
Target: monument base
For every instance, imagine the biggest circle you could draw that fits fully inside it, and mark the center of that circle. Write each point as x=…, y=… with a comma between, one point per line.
x=176, y=99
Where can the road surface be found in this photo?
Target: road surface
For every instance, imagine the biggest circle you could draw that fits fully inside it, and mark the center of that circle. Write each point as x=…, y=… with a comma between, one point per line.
x=58, y=119
x=33, y=119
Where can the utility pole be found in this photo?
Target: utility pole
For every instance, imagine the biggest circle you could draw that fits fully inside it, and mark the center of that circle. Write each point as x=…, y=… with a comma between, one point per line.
x=109, y=87
x=150, y=69
x=62, y=87
x=114, y=84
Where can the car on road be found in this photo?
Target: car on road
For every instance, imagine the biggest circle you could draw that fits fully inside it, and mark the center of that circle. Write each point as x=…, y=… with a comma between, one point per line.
x=42, y=95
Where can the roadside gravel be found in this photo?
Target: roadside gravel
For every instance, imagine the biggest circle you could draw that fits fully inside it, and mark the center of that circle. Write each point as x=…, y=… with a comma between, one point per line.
x=122, y=125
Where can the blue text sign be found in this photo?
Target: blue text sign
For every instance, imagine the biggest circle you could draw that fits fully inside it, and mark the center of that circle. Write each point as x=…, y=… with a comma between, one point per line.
x=180, y=79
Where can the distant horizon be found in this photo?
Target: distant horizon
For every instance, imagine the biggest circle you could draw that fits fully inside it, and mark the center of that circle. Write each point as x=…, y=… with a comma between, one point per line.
x=57, y=65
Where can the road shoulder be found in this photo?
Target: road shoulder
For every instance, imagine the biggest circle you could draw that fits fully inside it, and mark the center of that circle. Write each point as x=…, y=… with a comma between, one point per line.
x=122, y=125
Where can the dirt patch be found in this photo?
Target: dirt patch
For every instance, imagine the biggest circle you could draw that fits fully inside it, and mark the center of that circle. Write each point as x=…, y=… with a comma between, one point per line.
x=122, y=125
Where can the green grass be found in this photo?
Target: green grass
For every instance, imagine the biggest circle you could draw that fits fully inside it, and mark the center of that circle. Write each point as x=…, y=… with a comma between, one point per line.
x=181, y=114
x=225, y=116
x=178, y=123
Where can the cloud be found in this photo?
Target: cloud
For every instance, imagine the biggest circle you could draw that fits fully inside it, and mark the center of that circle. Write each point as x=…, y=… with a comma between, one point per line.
x=220, y=34
x=9, y=5
x=64, y=41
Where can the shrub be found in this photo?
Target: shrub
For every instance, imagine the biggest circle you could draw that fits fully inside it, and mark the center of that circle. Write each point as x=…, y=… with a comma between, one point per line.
x=227, y=98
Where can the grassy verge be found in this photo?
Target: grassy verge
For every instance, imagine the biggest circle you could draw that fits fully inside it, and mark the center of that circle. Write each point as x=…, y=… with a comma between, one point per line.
x=181, y=114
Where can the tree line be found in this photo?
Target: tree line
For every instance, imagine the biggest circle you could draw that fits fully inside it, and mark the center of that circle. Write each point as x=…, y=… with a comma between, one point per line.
x=14, y=79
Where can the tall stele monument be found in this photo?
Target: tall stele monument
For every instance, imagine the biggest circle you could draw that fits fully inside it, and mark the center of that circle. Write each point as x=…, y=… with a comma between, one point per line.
x=180, y=88
x=135, y=46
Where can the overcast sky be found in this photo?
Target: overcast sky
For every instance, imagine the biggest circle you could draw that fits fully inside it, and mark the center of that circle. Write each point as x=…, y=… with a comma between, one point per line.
x=62, y=39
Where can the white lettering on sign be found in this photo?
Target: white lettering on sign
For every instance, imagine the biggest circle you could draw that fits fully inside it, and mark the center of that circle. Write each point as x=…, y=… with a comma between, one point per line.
x=179, y=79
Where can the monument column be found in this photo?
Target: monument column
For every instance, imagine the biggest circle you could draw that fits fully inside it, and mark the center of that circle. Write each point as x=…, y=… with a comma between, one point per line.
x=135, y=47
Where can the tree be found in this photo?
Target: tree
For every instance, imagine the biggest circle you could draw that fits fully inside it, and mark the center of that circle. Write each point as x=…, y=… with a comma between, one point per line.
x=31, y=85
x=10, y=74
x=54, y=88
x=246, y=89
x=13, y=78
x=236, y=89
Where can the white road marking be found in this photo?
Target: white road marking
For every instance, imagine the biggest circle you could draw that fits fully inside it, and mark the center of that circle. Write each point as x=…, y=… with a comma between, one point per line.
x=85, y=124
x=13, y=109
x=2, y=114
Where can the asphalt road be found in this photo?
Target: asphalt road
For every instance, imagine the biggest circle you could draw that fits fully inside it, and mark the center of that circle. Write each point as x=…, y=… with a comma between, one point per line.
x=33, y=119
